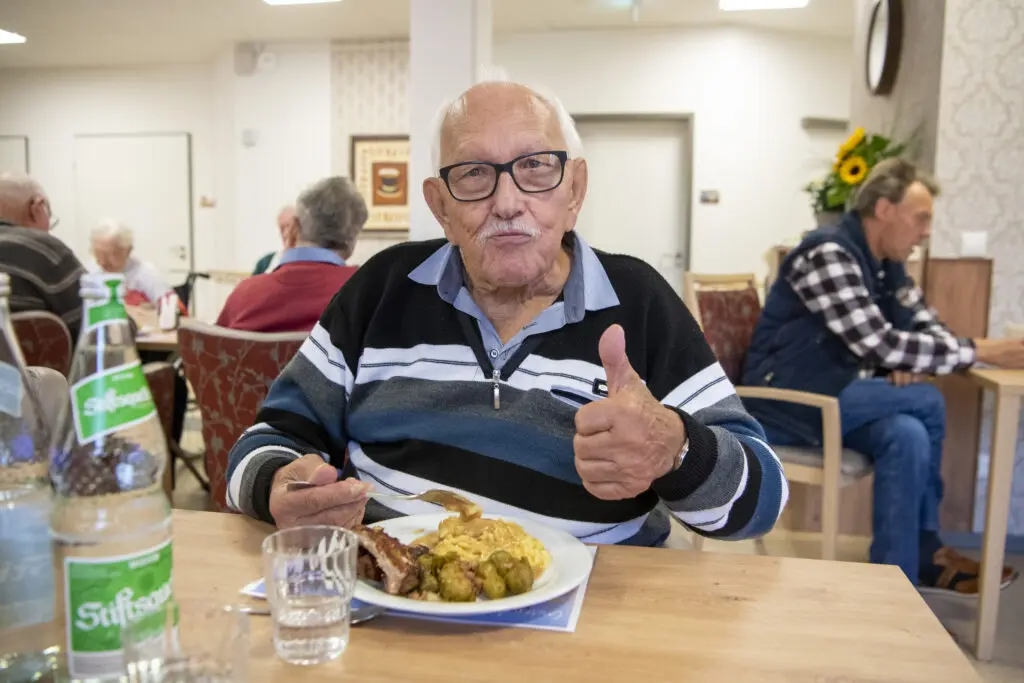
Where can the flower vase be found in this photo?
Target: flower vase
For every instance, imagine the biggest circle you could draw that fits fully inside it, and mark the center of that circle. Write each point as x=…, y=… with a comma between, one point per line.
x=826, y=219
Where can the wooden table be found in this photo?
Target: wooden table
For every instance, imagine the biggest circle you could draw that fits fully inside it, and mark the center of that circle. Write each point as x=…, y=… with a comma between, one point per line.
x=649, y=615
x=157, y=341
x=1008, y=386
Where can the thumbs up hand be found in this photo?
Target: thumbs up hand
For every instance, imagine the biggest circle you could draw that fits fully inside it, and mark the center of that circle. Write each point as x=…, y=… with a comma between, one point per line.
x=626, y=441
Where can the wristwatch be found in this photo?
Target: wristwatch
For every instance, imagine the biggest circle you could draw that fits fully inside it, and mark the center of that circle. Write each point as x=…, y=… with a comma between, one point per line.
x=682, y=454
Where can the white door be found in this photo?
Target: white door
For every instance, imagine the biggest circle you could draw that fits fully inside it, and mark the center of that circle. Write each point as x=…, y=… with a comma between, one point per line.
x=638, y=192
x=144, y=182
x=13, y=154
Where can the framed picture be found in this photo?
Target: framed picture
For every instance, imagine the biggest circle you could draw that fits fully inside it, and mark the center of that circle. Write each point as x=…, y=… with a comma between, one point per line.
x=380, y=171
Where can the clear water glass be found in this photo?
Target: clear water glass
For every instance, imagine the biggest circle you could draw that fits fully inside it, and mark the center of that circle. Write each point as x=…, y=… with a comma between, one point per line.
x=310, y=574
x=187, y=642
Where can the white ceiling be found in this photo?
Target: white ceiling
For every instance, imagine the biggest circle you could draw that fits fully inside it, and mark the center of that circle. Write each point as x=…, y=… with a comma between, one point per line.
x=109, y=32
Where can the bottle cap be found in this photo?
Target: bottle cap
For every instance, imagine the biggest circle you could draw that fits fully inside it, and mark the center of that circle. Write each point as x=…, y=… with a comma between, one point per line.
x=99, y=285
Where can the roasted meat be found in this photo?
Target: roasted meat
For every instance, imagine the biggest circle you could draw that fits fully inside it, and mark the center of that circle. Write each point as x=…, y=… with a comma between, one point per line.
x=383, y=558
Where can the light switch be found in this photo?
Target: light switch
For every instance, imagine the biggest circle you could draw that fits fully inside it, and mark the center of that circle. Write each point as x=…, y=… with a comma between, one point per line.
x=974, y=243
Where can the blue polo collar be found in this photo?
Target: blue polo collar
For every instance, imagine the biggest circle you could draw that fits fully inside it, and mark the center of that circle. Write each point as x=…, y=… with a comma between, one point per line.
x=587, y=288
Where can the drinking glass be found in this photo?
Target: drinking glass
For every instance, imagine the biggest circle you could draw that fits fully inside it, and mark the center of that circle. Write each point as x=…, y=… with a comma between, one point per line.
x=187, y=642
x=310, y=574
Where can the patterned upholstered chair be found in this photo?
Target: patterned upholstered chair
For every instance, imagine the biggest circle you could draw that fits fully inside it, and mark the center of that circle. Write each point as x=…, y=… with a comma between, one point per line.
x=44, y=339
x=230, y=373
x=727, y=308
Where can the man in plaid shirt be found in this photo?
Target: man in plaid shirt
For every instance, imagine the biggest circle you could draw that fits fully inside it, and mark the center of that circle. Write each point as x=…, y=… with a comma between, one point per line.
x=844, y=319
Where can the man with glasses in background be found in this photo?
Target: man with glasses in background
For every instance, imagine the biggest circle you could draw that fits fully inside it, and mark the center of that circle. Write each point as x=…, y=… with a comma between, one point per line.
x=44, y=271
x=512, y=363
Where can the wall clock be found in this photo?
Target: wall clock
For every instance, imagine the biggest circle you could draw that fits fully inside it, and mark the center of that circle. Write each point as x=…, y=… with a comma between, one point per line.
x=884, y=42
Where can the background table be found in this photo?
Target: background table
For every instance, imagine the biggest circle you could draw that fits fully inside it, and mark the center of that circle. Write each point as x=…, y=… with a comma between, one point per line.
x=157, y=341
x=649, y=615
x=1008, y=386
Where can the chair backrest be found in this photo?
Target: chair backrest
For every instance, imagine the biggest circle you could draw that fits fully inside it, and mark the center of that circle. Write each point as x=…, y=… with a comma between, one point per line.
x=160, y=376
x=44, y=339
x=727, y=308
x=230, y=373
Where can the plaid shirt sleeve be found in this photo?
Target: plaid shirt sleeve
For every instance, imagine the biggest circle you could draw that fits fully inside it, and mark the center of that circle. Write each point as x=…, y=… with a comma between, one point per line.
x=829, y=281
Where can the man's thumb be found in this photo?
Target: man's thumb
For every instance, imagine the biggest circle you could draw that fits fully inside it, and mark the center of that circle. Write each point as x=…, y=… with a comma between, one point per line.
x=324, y=474
x=612, y=349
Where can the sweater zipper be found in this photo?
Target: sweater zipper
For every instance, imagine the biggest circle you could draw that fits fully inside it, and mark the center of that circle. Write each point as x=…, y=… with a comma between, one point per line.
x=496, y=378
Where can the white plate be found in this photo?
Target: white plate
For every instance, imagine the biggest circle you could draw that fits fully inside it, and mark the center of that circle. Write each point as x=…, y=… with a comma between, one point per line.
x=570, y=565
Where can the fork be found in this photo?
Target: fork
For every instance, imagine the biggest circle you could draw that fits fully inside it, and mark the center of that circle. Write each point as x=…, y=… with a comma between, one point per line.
x=435, y=496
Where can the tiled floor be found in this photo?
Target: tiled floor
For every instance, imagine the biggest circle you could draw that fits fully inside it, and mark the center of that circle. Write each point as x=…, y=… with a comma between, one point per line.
x=956, y=614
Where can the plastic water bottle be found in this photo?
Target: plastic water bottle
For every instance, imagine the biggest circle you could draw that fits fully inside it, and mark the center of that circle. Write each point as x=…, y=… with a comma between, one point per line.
x=111, y=521
x=29, y=636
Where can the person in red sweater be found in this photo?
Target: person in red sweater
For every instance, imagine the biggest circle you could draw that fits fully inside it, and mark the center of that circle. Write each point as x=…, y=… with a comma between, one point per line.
x=329, y=217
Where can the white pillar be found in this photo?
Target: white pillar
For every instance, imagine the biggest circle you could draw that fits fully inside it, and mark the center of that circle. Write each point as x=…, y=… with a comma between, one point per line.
x=449, y=43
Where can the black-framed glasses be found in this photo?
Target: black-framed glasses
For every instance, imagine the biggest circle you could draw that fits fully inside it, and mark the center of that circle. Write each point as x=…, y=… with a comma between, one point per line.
x=472, y=181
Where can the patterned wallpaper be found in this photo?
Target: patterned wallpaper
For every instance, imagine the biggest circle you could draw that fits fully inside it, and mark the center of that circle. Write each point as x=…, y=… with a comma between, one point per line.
x=979, y=159
x=369, y=84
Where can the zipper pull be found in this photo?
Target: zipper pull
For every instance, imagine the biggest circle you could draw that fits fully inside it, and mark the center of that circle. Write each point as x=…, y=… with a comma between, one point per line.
x=496, y=376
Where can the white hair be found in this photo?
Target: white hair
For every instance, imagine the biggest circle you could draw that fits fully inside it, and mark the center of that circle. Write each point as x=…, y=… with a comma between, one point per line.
x=573, y=143
x=18, y=188
x=109, y=228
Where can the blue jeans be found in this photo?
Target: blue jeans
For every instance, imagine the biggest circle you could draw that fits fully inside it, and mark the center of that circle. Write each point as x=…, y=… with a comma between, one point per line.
x=901, y=430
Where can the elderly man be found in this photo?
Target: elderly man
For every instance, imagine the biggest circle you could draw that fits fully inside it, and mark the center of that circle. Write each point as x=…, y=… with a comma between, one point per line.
x=287, y=229
x=44, y=272
x=511, y=363
x=112, y=246
x=291, y=298
x=844, y=319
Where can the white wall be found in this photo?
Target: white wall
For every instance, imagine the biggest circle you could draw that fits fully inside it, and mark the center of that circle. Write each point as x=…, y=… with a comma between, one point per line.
x=51, y=107
x=747, y=92
x=289, y=107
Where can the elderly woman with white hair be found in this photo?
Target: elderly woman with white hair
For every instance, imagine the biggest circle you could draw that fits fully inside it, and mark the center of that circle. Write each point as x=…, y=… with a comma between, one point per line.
x=112, y=245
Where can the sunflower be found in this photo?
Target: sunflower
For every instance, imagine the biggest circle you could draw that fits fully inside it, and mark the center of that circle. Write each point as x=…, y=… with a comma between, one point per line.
x=853, y=170
x=856, y=137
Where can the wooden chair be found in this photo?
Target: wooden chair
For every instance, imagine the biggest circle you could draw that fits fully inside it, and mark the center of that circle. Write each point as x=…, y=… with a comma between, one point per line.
x=230, y=373
x=44, y=339
x=727, y=308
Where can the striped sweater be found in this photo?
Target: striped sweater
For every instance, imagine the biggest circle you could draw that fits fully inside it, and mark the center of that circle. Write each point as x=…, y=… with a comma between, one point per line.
x=387, y=388
x=44, y=274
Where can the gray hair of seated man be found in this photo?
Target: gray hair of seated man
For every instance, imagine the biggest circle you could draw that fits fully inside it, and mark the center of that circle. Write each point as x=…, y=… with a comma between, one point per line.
x=331, y=213
x=890, y=179
x=16, y=191
x=108, y=228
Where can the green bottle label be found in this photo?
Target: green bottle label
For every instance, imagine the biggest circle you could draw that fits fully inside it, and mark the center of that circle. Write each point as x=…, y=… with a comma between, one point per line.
x=102, y=594
x=111, y=400
x=110, y=308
